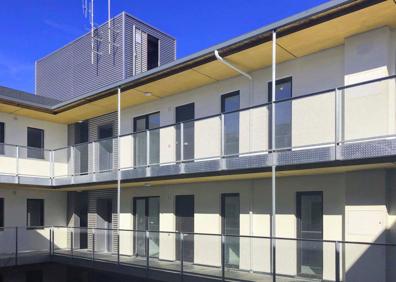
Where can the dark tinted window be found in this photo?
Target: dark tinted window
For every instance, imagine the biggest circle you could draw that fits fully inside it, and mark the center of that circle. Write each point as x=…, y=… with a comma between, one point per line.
x=81, y=132
x=2, y=137
x=1, y=212
x=35, y=142
x=35, y=213
x=105, y=131
x=230, y=102
x=152, y=52
x=145, y=122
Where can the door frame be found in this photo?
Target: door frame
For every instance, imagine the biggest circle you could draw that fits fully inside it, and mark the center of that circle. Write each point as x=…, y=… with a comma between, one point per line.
x=298, y=218
x=146, y=212
x=223, y=196
x=176, y=247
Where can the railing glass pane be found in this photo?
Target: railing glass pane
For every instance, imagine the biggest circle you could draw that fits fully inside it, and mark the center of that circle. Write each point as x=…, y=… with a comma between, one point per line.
x=7, y=246
x=105, y=155
x=231, y=133
x=154, y=146
x=207, y=138
x=369, y=110
x=140, y=149
x=81, y=153
x=34, y=162
x=8, y=161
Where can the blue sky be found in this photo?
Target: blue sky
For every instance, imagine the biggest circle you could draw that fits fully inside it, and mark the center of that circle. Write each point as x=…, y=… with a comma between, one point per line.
x=30, y=29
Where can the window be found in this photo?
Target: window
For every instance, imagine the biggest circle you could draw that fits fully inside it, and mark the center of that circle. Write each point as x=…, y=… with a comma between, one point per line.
x=152, y=52
x=185, y=114
x=35, y=143
x=230, y=104
x=105, y=132
x=146, y=151
x=283, y=113
x=1, y=213
x=2, y=135
x=35, y=213
x=34, y=276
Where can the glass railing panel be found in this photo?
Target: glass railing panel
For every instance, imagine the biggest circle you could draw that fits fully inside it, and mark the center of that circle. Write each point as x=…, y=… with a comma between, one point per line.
x=33, y=242
x=207, y=138
x=154, y=146
x=231, y=133
x=126, y=148
x=368, y=262
x=202, y=255
x=8, y=159
x=185, y=141
x=80, y=237
x=140, y=149
x=247, y=258
x=254, y=130
x=133, y=247
x=61, y=241
x=307, y=260
x=34, y=162
x=369, y=110
x=168, y=144
x=62, y=165
x=105, y=157
x=7, y=246
x=105, y=244
x=81, y=158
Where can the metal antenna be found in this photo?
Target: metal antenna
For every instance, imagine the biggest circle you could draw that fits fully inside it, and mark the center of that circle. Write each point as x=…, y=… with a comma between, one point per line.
x=111, y=30
x=94, y=38
x=85, y=8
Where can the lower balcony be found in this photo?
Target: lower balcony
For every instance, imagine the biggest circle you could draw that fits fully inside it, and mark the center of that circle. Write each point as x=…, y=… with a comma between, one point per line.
x=167, y=256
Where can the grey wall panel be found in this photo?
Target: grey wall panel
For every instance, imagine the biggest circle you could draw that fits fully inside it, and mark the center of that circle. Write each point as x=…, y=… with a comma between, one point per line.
x=68, y=72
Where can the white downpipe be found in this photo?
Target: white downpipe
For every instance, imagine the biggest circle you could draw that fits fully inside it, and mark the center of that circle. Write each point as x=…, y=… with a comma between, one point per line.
x=118, y=159
x=220, y=59
x=273, y=140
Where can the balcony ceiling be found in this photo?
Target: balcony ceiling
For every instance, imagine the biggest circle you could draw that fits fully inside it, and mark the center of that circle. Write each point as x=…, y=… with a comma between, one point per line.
x=326, y=34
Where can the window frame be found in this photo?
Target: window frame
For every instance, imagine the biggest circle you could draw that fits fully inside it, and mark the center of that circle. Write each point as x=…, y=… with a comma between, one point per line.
x=229, y=95
x=36, y=149
x=146, y=122
x=2, y=138
x=42, y=213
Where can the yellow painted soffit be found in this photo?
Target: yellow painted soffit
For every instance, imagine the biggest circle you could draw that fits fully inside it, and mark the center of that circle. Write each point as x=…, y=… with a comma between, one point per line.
x=304, y=42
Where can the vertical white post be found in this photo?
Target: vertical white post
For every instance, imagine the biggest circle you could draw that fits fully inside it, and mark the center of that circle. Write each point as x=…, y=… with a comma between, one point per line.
x=118, y=159
x=109, y=23
x=273, y=140
x=92, y=32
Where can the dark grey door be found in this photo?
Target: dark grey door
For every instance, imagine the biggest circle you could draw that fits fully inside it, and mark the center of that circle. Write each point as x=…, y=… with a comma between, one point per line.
x=81, y=148
x=230, y=105
x=185, y=223
x=105, y=147
x=147, y=217
x=283, y=113
x=310, y=226
x=185, y=132
x=104, y=234
x=230, y=208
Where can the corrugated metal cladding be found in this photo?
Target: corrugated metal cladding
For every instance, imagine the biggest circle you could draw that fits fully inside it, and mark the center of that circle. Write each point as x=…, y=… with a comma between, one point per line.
x=68, y=72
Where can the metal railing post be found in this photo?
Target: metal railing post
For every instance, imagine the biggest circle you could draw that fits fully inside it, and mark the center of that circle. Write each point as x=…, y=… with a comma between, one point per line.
x=118, y=247
x=50, y=242
x=16, y=245
x=93, y=246
x=337, y=261
x=71, y=243
x=222, y=141
x=147, y=252
x=181, y=256
x=53, y=241
x=73, y=164
x=182, y=141
x=148, y=148
x=17, y=161
x=222, y=258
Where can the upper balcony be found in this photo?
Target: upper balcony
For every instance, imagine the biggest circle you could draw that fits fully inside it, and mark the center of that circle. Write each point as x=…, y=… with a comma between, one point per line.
x=350, y=123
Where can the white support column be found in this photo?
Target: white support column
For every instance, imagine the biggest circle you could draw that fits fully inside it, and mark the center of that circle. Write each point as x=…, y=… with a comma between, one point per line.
x=273, y=140
x=118, y=158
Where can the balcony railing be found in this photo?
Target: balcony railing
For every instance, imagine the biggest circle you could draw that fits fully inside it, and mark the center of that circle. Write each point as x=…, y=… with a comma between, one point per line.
x=218, y=256
x=336, y=123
